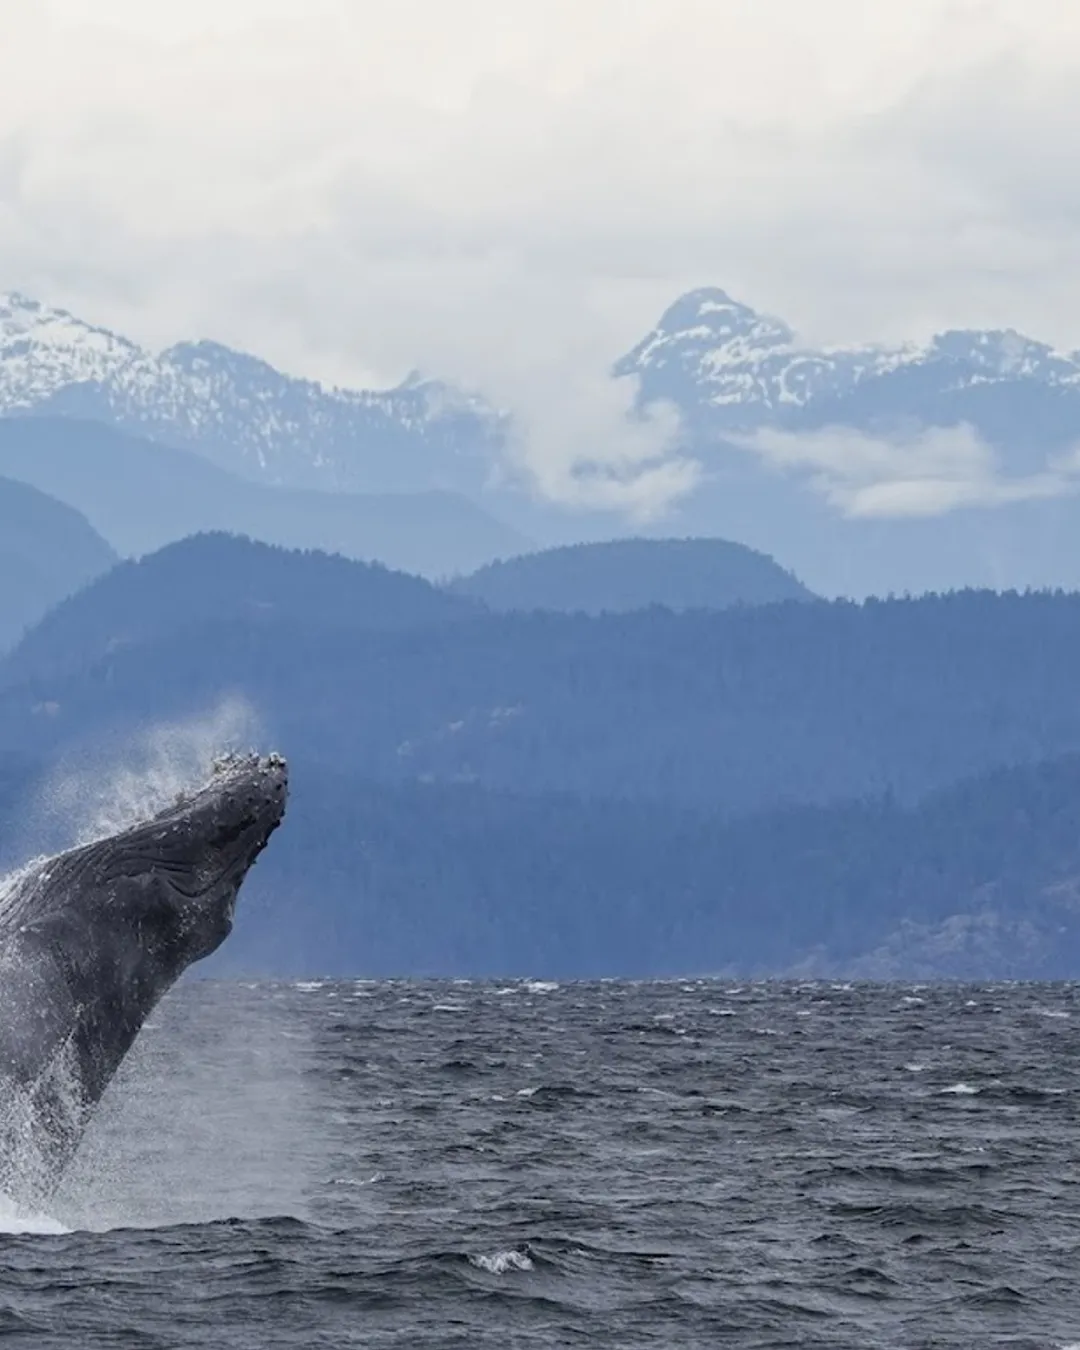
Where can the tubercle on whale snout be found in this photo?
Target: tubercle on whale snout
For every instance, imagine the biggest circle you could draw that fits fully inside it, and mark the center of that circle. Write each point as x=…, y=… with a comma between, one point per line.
x=233, y=761
x=246, y=769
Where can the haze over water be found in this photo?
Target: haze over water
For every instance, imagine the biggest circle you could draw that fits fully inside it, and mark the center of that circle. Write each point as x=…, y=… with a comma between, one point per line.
x=687, y=1163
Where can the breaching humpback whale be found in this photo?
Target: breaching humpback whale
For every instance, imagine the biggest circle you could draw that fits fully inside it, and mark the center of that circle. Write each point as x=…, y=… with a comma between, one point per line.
x=90, y=940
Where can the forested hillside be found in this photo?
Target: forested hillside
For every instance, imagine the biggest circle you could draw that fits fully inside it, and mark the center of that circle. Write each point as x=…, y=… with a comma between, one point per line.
x=981, y=881
x=627, y=574
x=211, y=579
x=724, y=711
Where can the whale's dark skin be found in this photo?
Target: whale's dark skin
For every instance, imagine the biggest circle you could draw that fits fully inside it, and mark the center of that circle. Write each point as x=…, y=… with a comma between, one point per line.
x=90, y=940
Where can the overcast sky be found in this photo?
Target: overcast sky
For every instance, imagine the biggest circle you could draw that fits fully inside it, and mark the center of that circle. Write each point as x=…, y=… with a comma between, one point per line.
x=508, y=192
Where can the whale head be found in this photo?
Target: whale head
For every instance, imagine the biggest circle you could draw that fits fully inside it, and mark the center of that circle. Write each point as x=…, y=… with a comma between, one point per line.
x=176, y=876
x=140, y=906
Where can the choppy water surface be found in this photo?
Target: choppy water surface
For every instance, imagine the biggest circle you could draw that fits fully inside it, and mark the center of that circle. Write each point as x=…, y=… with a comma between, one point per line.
x=526, y=1165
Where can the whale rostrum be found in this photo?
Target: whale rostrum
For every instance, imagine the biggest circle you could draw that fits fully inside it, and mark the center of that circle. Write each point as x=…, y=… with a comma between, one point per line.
x=91, y=939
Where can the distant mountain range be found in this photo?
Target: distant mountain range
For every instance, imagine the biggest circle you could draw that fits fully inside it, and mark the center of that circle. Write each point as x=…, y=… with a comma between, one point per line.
x=735, y=376
x=141, y=495
x=239, y=411
x=874, y=470
x=47, y=551
x=726, y=366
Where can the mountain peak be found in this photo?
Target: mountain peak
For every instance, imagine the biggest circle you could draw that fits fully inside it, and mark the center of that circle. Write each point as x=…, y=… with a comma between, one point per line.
x=728, y=367
x=709, y=341
x=42, y=350
x=712, y=308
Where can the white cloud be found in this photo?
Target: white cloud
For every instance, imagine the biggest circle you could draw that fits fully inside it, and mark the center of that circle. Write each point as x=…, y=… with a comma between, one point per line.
x=506, y=193
x=926, y=472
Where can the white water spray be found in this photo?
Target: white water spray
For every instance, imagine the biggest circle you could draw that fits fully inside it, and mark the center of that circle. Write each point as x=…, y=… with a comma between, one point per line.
x=146, y=776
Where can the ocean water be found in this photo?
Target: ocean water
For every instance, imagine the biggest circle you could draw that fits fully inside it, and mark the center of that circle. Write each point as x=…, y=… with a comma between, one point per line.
x=686, y=1164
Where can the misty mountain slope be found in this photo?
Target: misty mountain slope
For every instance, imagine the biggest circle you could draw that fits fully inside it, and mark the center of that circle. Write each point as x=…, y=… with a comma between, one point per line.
x=628, y=574
x=142, y=495
x=996, y=505
x=225, y=578
x=731, y=710
x=47, y=551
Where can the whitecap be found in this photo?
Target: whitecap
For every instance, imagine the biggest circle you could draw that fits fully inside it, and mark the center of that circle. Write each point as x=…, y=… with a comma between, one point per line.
x=960, y=1090
x=723, y=1012
x=541, y=986
x=528, y=1092
x=308, y=986
x=500, y=1262
x=448, y=1007
x=915, y=1068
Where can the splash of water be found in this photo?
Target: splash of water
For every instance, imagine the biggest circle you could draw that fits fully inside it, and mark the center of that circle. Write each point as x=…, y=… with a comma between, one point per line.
x=20, y=1220
x=39, y=1123
x=148, y=774
x=211, y=1116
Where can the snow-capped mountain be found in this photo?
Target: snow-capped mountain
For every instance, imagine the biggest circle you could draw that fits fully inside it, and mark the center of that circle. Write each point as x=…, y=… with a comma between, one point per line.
x=239, y=411
x=725, y=366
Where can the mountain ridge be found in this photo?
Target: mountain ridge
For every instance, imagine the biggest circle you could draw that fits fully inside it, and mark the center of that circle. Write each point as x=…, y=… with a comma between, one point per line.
x=141, y=495
x=235, y=408
x=619, y=575
x=710, y=352
x=48, y=550
x=724, y=364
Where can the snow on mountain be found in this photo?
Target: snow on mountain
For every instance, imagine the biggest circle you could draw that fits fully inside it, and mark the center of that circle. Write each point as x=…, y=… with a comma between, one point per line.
x=241, y=412
x=727, y=366
x=43, y=350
